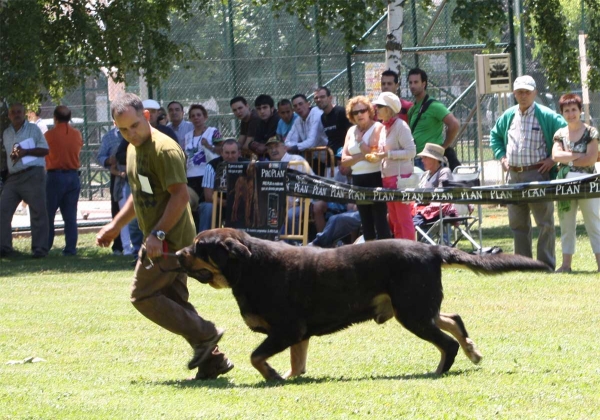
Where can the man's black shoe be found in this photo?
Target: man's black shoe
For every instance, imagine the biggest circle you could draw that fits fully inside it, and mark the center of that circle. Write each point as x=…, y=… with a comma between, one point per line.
x=203, y=350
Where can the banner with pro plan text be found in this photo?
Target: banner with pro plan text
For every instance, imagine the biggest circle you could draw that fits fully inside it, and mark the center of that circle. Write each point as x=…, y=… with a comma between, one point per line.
x=256, y=197
x=315, y=187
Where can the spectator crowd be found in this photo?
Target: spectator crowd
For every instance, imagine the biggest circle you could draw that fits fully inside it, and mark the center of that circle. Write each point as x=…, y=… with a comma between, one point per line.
x=373, y=144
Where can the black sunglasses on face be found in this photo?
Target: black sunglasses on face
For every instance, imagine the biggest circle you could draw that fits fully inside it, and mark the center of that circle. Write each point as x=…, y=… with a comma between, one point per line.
x=359, y=111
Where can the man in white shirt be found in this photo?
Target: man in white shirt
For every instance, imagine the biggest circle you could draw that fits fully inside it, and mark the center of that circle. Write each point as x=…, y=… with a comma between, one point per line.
x=34, y=117
x=307, y=130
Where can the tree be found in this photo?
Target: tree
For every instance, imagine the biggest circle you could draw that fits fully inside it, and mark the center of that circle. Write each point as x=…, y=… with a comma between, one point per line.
x=478, y=20
x=53, y=44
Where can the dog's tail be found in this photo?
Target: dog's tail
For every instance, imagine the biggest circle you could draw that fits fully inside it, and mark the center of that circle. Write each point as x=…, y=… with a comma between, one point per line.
x=490, y=264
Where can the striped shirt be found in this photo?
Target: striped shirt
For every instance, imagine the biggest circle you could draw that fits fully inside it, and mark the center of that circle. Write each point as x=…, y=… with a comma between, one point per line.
x=526, y=145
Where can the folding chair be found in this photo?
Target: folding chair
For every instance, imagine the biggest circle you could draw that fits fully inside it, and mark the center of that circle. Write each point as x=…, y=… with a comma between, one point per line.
x=449, y=230
x=322, y=161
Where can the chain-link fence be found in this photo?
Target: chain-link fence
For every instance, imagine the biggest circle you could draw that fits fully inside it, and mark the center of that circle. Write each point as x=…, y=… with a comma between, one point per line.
x=247, y=50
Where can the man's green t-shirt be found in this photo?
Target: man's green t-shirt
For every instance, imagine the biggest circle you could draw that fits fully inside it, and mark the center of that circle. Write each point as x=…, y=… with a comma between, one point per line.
x=151, y=169
x=430, y=128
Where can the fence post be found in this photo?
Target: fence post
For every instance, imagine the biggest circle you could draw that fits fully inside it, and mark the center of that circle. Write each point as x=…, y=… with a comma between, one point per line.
x=413, y=7
x=349, y=72
x=88, y=180
x=318, y=49
x=232, y=48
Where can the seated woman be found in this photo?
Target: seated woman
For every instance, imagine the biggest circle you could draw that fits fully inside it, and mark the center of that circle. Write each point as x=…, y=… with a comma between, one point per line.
x=435, y=174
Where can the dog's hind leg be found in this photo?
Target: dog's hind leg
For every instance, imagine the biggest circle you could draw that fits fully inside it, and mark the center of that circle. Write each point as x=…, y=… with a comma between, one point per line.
x=298, y=353
x=453, y=324
x=429, y=331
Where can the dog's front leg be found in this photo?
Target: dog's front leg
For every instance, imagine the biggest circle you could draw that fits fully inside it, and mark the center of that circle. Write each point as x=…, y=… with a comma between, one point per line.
x=298, y=353
x=272, y=345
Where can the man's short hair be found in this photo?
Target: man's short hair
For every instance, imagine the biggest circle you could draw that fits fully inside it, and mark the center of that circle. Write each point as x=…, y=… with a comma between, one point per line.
x=238, y=99
x=231, y=141
x=299, y=95
x=264, y=100
x=421, y=73
x=124, y=101
x=175, y=102
x=325, y=88
x=62, y=114
x=200, y=107
x=390, y=72
x=284, y=102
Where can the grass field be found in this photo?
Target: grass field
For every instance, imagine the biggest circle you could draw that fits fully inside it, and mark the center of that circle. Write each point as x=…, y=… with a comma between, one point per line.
x=102, y=360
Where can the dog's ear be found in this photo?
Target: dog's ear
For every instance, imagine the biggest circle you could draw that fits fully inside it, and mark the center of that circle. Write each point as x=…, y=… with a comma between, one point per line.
x=236, y=248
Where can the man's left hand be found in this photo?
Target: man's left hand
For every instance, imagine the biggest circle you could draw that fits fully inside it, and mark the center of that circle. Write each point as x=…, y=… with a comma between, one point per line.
x=547, y=164
x=154, y=247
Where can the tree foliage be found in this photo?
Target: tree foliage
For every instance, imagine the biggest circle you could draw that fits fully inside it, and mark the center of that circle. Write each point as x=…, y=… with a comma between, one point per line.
x=51, y=45
x=545, y=22
x=54, y=44
x=351, y=17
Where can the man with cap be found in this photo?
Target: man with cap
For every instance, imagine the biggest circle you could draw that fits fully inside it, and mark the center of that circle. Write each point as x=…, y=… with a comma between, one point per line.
x=153, y=107
x=229, y=151
x=522, y=141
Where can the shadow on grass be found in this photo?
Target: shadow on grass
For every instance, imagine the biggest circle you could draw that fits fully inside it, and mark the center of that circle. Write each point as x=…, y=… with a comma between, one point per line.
x=224, y=382
x=87, y=260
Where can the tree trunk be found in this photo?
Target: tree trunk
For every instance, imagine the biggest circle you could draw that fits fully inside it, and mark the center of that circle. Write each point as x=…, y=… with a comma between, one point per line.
x=395, y=25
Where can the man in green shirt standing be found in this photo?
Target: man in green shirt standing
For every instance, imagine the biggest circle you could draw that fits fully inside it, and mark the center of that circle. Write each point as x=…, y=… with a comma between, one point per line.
x=427, y=118
x=156, y=170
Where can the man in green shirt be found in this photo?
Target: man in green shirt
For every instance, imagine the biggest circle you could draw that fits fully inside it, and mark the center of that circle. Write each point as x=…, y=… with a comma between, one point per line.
x=427, y=118
x=156, y=170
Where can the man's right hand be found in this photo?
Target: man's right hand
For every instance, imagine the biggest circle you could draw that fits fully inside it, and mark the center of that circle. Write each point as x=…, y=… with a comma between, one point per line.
x=106, y=235
x=504, y=162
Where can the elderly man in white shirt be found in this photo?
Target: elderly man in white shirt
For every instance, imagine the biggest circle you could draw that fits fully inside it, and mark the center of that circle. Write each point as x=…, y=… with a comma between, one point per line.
x=307, y=130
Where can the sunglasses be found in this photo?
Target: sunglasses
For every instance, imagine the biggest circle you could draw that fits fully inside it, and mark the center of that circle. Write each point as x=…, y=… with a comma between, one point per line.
x=360, y=111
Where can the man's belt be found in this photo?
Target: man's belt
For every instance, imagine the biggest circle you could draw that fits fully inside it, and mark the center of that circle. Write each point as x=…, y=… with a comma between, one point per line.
x=525, y=168
x=22, y=171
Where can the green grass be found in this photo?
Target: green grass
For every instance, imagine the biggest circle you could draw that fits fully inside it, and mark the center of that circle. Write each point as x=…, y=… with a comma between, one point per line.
x=537, y=332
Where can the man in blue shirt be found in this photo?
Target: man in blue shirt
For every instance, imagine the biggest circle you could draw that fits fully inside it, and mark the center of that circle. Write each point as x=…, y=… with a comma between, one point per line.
x=287, y=118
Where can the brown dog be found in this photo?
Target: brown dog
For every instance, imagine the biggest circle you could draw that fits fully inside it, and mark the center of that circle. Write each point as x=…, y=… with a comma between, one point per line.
x=293, y=293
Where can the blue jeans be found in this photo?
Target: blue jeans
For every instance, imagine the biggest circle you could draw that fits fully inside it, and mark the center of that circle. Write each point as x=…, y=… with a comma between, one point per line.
x=204, y=216
x=62, y=192
x=136, y=236
x=337, y=227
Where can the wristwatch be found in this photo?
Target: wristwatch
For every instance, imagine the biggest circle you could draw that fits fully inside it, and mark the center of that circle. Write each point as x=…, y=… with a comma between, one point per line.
x=160, y=235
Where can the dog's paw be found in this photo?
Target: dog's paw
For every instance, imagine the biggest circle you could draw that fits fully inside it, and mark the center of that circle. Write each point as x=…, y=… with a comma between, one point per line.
x=472, y=353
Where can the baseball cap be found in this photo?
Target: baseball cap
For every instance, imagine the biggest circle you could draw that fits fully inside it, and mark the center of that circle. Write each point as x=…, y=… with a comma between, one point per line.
x=151, y=104
x=524, y=82
x=390, y=100
x=272, y=140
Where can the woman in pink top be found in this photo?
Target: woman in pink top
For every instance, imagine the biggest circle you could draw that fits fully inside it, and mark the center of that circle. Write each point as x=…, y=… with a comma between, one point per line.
x=396, y=155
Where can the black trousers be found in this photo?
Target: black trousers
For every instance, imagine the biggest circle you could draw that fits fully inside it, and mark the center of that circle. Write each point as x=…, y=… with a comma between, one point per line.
x=372, y=216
